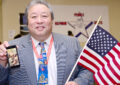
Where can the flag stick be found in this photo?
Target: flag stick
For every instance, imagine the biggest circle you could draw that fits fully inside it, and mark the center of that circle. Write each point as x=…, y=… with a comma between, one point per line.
x=82, y=50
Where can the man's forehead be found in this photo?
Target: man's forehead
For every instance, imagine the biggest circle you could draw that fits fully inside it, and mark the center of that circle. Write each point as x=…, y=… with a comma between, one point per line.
x=41, y=7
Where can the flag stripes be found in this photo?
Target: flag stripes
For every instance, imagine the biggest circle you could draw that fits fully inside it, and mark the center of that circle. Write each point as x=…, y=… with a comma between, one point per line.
x=111, y=73
x=107, y=69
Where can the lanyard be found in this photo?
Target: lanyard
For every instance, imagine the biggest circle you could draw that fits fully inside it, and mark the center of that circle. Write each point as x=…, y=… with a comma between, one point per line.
x=49, y=49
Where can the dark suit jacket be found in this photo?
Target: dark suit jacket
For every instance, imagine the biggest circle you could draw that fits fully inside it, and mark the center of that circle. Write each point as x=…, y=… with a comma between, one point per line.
x=67, y=51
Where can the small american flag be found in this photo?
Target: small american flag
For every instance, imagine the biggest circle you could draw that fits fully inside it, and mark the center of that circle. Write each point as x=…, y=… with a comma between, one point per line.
x=101, y=56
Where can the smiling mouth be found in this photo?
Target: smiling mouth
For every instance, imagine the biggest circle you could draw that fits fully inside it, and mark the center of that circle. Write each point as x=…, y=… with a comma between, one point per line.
x=40, y=28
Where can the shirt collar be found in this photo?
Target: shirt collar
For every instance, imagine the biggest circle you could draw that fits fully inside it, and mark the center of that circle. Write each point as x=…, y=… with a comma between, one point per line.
x=47, y=40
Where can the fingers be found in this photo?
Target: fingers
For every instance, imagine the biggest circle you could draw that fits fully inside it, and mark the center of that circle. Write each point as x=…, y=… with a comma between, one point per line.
x=3, y=57
x=6, y=44
x=71, y=83
x=3, y=50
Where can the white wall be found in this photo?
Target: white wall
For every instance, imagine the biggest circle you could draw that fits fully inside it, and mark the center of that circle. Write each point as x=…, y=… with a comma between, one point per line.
x=12, y=8
x=10, y=13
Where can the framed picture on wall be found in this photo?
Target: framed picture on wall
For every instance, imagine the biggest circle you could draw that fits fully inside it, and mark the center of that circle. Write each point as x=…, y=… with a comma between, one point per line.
x=23, y=24
x=23, y=19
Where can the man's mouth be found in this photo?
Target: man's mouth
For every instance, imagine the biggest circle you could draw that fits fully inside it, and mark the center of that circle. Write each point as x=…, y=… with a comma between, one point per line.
x=40, y=28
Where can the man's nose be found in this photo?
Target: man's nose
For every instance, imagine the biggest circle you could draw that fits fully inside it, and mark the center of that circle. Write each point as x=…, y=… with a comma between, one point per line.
x=40, y=20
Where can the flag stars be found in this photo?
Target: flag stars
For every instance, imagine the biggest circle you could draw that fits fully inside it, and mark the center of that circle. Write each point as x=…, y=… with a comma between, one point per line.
x=111, y=42
x=104, y=41
x=104, y=47
x=104, y=44
x=107, y=38
x=100, y=33
x=92, y=46
x=102, y=54
x=103, y=32
x=102, y=51
x=108, y=42
x=98, y=40
x=101, y=41
x=96, y=31
x=108, y=47
x=100, y=36
x=101, y=47
x=97, y=36
x=98, y=50
x=105, y=50
x=99, y=30
x=114, y=42
x=94, y=40
x=104, y=36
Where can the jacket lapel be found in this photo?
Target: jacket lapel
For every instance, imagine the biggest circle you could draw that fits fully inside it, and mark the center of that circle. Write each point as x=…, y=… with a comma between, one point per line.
x=61, y=55
x=28, y=59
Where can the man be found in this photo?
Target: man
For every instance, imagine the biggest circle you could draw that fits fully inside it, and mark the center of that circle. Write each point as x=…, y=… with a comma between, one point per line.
x=61, y=54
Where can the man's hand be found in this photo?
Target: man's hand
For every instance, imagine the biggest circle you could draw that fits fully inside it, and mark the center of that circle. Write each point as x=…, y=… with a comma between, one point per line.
x=71, y=83
x=3, y=57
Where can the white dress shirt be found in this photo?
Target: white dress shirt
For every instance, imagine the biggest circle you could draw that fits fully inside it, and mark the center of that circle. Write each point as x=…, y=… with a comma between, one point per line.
x=52, y=65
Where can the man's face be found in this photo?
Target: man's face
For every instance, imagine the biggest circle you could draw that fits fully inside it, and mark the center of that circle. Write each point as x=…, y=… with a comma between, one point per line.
x=39, y=21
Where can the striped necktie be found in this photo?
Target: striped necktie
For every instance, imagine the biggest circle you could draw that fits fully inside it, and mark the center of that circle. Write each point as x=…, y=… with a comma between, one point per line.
x=43, y=67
